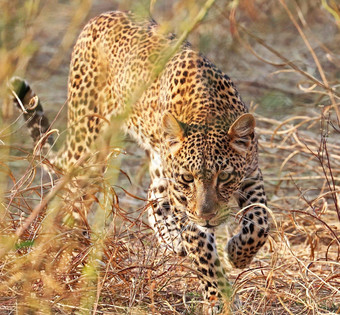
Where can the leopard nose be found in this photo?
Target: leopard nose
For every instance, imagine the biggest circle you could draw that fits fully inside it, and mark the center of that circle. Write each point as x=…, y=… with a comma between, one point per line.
x=207, y=216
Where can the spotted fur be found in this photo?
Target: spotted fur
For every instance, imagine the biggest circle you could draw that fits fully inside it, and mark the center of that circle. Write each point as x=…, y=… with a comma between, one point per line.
x=192, y=121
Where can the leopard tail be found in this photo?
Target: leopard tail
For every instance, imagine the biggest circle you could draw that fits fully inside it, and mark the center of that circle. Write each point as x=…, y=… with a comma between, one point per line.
x=29, y=103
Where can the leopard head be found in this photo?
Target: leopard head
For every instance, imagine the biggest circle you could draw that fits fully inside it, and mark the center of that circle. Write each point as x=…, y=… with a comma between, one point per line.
x=205, y=165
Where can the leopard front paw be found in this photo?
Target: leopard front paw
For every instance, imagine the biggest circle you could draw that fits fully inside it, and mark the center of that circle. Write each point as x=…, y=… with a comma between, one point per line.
x=212, y=308
x=219, y=307
x=236, y=254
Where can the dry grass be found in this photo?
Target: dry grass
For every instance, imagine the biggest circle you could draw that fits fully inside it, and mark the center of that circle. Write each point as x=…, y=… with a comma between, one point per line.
x=48, y=267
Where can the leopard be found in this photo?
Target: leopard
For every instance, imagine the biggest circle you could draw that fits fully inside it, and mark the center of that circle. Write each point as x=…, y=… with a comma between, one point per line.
x=190, y=119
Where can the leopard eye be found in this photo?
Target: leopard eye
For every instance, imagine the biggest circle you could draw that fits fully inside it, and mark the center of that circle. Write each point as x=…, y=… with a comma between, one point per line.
x=188, y=178
x=224, y=176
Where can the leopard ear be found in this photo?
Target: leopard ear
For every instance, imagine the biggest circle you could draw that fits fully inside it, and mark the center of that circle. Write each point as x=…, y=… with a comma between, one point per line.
x=241, y=133
x=173, y=131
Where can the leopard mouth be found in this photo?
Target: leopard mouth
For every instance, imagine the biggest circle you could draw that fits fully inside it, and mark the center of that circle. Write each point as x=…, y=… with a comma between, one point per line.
x=209, y=226
x=213, y=222
x=204, y=223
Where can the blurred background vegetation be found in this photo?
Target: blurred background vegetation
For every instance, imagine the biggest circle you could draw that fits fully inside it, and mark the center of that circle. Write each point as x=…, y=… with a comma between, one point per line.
x=284, y=57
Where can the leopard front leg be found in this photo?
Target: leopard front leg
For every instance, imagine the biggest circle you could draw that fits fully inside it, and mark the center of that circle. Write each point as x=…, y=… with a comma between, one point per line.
x=200, y=244
x=254, y=228
x=161, y=217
